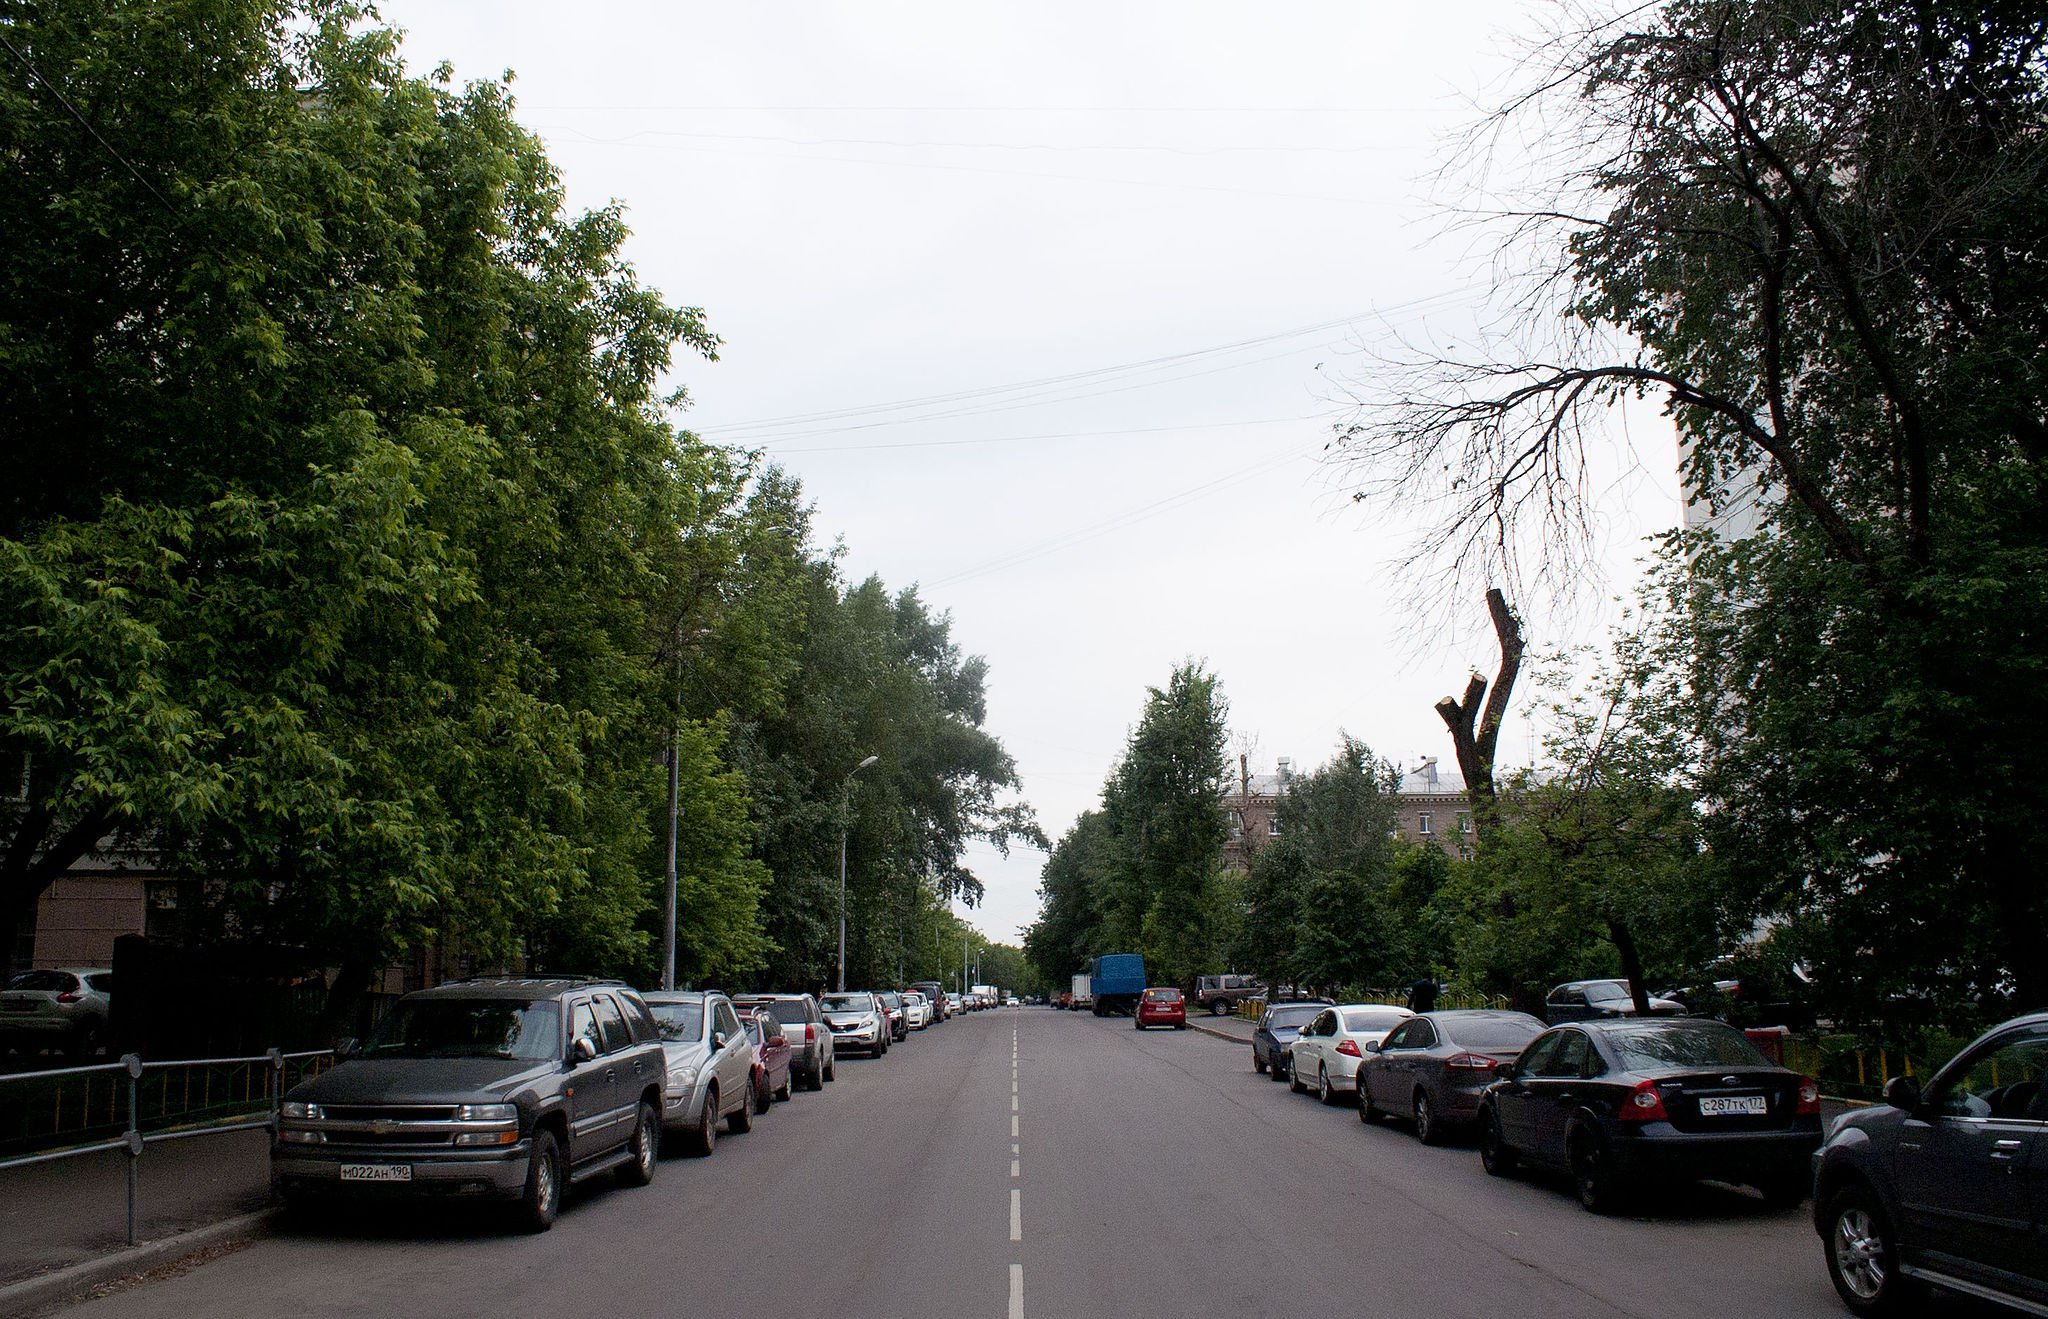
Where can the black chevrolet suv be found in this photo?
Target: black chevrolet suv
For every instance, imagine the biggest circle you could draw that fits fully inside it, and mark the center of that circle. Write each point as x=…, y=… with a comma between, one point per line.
x=499, y=1089
x=1947, y=1186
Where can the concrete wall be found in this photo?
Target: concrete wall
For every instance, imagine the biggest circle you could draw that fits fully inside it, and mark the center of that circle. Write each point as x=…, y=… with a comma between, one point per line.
x=79, y=917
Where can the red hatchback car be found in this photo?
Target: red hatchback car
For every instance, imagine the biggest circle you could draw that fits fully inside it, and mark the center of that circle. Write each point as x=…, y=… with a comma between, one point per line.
x=1161, y=1007
x=771, y=1058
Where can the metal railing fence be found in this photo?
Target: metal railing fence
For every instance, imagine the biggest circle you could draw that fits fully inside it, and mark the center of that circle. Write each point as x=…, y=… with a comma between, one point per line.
x=132, y=1104
x=1250, y=1008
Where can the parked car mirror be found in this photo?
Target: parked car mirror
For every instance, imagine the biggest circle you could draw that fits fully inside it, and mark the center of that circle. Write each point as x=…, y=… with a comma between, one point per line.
x=718, y=1039
x=1902, y=1092
x=582, y=1050
x=348, y=1046
x=1372, y=1046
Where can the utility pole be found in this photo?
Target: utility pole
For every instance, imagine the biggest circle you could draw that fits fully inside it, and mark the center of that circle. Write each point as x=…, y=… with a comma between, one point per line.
x=668, y=906
x=845, y=796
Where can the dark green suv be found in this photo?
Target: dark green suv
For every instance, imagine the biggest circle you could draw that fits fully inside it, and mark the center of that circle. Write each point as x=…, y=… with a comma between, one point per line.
x=502, y=1089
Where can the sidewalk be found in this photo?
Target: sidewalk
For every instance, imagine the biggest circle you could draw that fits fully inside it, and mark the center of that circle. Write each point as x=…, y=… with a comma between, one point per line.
x=53, y=1215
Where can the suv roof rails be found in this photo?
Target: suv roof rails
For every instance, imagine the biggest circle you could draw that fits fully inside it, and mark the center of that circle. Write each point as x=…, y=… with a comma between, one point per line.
x=532, y=980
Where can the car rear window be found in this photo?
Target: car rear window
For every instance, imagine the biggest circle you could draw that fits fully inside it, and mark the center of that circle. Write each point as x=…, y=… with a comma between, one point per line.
x=63, y=982
x=1294, y=1016
x=1366, y=1019
x=1163, y=995
x=1491, y=1032
x=1652, y=1047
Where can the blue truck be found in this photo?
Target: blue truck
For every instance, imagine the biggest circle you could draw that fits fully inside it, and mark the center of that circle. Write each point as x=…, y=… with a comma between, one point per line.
x=1117, y=980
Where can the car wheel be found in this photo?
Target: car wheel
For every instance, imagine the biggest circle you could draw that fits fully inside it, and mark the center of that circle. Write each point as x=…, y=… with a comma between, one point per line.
x=704, y=1139
x=85, y=1041
x=646, y=1147
x=1495, y=1155
x=542, y=1201
x=1258, y=1062
x=1279, y=1068
x=1325, y=1092
x=1217, y=1008
x=1863, y=1255
x=788, y=1090
x=1593, y=1176
x=763, y=1096
x=828, y=1068
x=1427, y=1129
x=1369, y=1113
x=1293, y=1081
x=741, y=1120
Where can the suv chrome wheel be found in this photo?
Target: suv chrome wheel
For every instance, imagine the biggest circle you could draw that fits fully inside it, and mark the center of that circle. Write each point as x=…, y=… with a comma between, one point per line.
x=1859, y=1253
x=1863, y=1256
x=646, y=1146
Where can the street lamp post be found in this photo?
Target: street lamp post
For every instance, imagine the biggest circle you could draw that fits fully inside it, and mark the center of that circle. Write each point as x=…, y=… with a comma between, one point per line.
x=668, y=919
x=845, y=790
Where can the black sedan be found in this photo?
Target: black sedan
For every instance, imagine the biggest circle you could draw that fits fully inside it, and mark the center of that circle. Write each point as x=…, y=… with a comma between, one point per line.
x=1435, y=1067
x=1278, y=1025
x=1622, y=1103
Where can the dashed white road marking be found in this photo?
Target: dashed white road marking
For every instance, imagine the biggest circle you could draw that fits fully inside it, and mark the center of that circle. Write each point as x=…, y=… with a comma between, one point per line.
x=1013, y=1125
x=1013, y=1103
x=1016, y=1215
x=1016, y=1291
x=1016, y=1168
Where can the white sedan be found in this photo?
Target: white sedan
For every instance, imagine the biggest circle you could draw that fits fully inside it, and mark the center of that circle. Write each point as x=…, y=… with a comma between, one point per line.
x=1327, y=1053
x=918, y=1008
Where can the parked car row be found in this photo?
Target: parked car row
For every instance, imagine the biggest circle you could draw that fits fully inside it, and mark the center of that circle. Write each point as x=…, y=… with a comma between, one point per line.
x=511, y=1088
x=1943, y=1186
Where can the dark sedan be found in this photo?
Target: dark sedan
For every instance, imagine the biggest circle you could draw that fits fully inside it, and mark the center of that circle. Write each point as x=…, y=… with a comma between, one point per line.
x=1434, y=1067
x=1947, y=1186
x=1278, y=1025
x=1622, y=1103
x=1593, y=1000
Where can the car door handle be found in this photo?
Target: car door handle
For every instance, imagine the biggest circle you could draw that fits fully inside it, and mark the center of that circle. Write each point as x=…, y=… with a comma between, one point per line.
x=2005, y=1149
x=611, y=1073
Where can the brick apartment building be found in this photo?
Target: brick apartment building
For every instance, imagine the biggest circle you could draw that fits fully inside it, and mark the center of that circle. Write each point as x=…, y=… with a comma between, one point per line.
x=1431, y=804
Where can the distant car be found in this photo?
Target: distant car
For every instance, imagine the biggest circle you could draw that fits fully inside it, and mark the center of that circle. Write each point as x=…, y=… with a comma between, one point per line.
x=1161, y=1007
x=1944, y=1186
x=1277, y=1027
x=1623, y=1104
x=935, y=994
x=858, y=1021
x=1592, y=1000
x=1222, y=993
x=955, y=1004
x=1326, y=1053
x=899, y=1020
x=917, y=1008
x=64, y=1007
x=803, y=1025
x=1434, y=1067
x=1011, y=1001
x=711, y=1076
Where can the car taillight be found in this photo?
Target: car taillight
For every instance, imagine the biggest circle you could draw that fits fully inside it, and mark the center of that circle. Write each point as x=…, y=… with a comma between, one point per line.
x=1349, y=1048
x=1470, y=1062
x=69, y=996
x=1644, y=1104
x=1809, y=1096
x=810, y=1032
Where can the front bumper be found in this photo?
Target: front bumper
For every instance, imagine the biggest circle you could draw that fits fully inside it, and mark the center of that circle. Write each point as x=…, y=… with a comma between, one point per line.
x=496, y=1173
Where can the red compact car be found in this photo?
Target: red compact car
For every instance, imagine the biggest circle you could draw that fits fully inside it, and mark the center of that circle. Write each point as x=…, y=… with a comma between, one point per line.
x=1161, y=1007
x=771, y=1058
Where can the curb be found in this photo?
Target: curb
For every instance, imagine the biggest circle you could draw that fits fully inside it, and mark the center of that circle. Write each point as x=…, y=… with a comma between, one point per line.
x=68, y=1283
x=1218, y=1034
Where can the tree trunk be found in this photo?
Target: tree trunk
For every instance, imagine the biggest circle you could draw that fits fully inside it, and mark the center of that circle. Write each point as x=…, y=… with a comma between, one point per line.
x=1475, y=727
x=1631, y=963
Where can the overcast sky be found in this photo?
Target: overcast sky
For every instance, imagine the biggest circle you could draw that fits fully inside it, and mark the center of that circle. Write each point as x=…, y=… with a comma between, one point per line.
x=1117, y=260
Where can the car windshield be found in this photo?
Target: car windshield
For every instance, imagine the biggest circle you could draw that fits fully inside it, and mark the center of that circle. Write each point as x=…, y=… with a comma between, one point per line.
x=1650, y=1048
x=848, y=1003
x=1492, y=1032
x=679, y=1021
x=1294, y=1016
x=1605, y=991
x=468, y=1028
x=1373, y=1019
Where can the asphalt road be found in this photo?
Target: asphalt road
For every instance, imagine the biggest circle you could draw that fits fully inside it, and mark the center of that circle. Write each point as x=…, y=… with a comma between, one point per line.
x=1031, y=1162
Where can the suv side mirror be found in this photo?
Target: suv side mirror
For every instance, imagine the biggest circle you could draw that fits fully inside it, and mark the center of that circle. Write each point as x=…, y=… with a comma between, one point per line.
x=348, y=1046
x=1903, y=1092
x=581, y=1050
x=717, y=1040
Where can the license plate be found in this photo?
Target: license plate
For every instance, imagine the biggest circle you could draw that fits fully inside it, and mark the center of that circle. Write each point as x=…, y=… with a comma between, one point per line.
x=376, y=1172
x=1734, y=1106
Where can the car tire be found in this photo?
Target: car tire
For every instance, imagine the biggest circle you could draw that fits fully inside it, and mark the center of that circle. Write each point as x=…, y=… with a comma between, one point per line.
x=1427, y=1129
x=1600, y=1188
x=646, y=1147
x=1217, y=1008
x=1369, y=1113
x=1136, y=1024
x=1258, y=1062
x=1863, y=1255
x=741, y=1120
x=704, y=1137
x=1325, y=1092
x=829, y=1073
x=763, y=1097
x=1294, y=1082
x=1499, y=1158
x=85, y=1041
x=1278, y=1070
x=541, y=1202
x=1785, y=1190
x=788, y=1090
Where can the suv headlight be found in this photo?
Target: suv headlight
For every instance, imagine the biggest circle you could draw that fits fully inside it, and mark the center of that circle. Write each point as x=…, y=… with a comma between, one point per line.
x=304, y=1112
x=684, y=1075
x=487, y=1113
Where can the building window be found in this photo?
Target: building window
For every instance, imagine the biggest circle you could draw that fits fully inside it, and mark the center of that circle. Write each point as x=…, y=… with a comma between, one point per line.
x=1424, y=825
x=1273, y=826
x=1237, y=824
x=1464, y=851
x=1464, y=822
x=161, y=918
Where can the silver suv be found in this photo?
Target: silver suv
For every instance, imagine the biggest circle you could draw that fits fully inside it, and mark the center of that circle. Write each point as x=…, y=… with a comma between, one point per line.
x=803, y=1025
